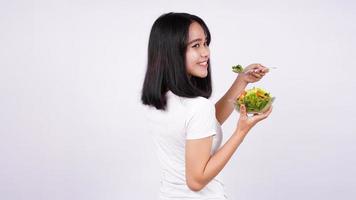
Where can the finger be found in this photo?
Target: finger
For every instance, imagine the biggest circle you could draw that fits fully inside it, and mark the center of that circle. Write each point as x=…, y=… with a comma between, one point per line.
x=256, y=66
x=243, y=109
x=243, y=113
x=261, y=116
x=256, y=75
x=251, y=72
x=252, y=69
x=265, y=70
x=260, y=72
x=258, y=118
x=262, y=68
x=266, y=114
x=257, y=69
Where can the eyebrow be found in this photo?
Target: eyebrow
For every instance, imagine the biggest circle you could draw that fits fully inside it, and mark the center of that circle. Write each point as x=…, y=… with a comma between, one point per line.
x=196, y=40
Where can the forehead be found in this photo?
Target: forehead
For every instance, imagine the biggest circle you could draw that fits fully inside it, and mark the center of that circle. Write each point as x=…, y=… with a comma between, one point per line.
x=196, y=31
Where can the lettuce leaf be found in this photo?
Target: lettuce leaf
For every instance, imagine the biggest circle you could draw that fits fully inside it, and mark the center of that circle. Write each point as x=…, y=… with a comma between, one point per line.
x=237, y=69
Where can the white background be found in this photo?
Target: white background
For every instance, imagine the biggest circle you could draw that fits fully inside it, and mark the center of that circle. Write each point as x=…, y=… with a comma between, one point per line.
x=71, y=124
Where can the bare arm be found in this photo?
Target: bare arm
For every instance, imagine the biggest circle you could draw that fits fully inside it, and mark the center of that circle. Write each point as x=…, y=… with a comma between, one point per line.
x=225, y=106
x=201, y=168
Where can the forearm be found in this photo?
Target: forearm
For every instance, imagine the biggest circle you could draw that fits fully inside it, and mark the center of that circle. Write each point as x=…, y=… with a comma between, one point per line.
x=218, y=161
x=225, y=106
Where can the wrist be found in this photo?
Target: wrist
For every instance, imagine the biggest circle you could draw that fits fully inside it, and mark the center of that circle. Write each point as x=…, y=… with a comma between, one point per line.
x=240, y=79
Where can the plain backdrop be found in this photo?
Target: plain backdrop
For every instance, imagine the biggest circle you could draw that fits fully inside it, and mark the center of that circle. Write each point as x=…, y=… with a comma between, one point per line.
x=71, y=71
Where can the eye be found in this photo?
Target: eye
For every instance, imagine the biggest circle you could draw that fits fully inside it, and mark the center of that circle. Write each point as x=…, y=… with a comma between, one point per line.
x=196, y=45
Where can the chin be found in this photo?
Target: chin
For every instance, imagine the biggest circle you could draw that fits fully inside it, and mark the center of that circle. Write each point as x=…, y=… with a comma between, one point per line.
x=205, y=75
x=202, y=75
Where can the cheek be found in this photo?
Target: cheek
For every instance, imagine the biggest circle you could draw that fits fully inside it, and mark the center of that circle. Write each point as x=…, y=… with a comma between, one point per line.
x=192, y=57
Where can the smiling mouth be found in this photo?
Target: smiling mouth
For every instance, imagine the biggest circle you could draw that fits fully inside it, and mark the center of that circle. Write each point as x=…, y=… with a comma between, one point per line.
x=204, y=64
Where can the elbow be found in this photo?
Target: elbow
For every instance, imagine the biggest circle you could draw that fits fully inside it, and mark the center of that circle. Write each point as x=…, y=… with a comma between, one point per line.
x=194, y=186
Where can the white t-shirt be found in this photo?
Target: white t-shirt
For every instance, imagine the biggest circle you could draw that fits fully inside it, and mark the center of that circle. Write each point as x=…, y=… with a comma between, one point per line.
x=183, y=119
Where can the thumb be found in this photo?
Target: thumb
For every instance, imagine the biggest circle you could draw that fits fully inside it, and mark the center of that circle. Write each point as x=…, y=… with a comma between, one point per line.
x=243, y=111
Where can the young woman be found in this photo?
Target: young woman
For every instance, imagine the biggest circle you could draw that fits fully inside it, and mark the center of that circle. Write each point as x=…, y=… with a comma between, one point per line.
x=185, y=124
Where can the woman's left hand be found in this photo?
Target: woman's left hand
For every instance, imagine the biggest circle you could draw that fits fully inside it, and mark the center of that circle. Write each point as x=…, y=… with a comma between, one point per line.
x=253, y=73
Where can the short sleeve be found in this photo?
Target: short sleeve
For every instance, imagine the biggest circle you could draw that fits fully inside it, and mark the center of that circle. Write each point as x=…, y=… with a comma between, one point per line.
x=202, y=121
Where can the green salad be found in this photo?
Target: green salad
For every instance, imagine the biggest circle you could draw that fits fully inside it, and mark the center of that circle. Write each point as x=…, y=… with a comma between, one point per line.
x=256, y=100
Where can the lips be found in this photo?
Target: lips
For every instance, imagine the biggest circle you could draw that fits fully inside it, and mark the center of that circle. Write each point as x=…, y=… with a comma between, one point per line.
x=203, y=63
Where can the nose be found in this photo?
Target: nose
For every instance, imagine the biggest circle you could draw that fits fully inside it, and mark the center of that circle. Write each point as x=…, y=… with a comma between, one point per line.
x=205, y=52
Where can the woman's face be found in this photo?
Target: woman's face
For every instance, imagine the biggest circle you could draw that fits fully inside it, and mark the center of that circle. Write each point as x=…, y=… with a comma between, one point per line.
x=198, y=53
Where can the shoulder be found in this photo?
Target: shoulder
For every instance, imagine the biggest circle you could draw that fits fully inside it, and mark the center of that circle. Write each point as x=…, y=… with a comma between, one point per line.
x=199, y=104
x=190, y=105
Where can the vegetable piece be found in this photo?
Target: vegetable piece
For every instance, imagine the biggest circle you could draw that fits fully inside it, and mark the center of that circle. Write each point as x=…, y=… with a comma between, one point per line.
x=237, y=69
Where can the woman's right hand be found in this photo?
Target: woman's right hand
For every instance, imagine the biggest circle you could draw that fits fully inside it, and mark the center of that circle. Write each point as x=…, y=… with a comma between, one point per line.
x=245, y=122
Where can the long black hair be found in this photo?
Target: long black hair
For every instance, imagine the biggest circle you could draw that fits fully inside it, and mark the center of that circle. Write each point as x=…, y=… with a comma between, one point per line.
x=166, y=61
